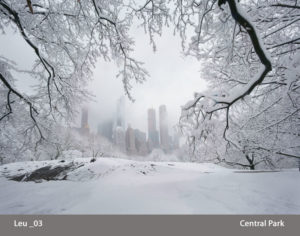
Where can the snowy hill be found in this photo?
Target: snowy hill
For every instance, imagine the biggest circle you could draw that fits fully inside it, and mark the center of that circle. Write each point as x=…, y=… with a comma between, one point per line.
x=118, y=186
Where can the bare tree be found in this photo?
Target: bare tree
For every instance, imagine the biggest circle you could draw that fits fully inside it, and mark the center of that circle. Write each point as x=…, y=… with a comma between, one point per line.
x=67, y=38
x=252, y=66
x=248, y=49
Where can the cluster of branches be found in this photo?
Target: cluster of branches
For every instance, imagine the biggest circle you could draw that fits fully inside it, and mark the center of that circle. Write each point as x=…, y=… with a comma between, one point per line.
x=66, y=39
x=254, y=62
x=249, y=52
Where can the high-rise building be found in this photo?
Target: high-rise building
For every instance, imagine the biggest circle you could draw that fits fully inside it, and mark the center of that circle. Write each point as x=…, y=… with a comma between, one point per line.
x=84, y=129
x=120, y=115
x=153, y=138
x=130, y=141
x=84, y=117
x=163, y=128
x=140, y=142
x=119, y=138
x=119, y=125
x=151, y=120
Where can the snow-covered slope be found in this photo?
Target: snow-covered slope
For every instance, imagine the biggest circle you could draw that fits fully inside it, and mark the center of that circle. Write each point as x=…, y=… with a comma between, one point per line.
x=117, y=186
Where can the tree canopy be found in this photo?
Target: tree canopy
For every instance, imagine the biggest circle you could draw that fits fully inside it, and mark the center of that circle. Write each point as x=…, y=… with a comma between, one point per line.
x=249, y=50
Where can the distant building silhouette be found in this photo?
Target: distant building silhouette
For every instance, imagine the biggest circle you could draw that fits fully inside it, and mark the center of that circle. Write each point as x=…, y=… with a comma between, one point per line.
x=119, y=138
x=84, y=117
x=130, y=141
x=141, y=142
x=163, y=128
x=84, y=129
x=120, y=113
x=153, y=139
x=136, y=143
x=118, y=129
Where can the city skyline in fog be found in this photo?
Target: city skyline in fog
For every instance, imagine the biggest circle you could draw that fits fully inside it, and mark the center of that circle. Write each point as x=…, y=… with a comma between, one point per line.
x=172, y=80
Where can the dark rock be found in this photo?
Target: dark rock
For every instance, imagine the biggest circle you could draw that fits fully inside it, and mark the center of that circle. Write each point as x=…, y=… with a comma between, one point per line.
x=17, y=177
x=46, y=173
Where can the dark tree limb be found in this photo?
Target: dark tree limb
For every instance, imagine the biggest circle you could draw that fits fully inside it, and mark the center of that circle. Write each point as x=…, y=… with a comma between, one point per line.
x=285, y=6
x=257, y=45
x=15, y=18
x=29, y=4
x=27, y=101
x=8, y=106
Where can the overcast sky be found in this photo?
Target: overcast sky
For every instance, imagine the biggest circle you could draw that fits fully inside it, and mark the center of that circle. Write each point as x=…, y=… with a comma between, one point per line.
x=173, y=79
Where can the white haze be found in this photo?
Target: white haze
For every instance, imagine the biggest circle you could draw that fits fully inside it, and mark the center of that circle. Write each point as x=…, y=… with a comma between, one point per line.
x=173, y=79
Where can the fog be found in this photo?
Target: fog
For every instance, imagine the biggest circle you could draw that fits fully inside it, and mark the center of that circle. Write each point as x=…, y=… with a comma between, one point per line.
x=173, y=79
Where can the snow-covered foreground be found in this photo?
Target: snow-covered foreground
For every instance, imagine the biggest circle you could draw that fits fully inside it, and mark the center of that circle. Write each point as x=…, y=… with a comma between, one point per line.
x=117, y=186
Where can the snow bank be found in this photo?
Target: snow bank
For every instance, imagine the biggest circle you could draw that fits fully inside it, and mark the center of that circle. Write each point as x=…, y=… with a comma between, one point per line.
x=118, y=186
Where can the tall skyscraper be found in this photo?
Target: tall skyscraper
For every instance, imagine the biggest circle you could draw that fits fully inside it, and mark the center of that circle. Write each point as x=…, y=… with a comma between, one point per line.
x=120, y=115
x=84, y=117
x=119, y=125
x=140, y=142
x=119, y=138
x=130, y=141
x=84, y=121
x=152, y=132
x=163, y=128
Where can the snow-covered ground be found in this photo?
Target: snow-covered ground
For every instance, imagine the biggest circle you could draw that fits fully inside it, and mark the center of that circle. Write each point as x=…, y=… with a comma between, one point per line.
x=117, y=186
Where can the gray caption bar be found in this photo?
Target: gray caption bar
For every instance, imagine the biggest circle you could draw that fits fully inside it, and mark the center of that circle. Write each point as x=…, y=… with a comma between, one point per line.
x=144, y=225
